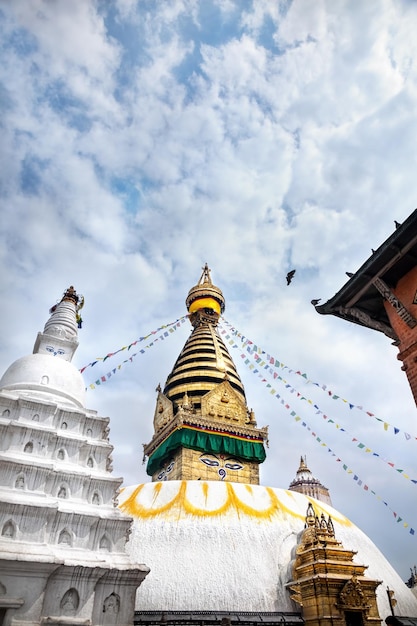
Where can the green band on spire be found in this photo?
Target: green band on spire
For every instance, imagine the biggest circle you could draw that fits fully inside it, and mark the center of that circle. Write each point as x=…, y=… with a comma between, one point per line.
x=205, y=442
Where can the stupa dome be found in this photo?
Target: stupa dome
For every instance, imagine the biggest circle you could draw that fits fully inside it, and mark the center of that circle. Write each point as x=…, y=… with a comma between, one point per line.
x=45, y=377
x=233, y=545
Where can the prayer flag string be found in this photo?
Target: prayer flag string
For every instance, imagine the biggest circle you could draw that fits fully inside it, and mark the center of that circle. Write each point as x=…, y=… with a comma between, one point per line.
x=319, y=440
x=359, y=444
x=171, y=327
x=251, y=347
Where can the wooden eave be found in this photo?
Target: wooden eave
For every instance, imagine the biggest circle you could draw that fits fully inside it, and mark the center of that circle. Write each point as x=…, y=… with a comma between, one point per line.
x=390, y=262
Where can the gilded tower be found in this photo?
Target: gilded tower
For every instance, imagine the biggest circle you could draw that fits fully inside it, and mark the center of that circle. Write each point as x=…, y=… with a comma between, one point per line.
x=203, y=429
x=328, y=583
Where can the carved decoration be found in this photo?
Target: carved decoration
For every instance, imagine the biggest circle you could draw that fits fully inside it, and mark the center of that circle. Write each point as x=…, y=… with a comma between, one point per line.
x=366, y=320
x=185, y=406
x=104, y=543
x=223, y=404
x=65, y=537
x=70, y=602
x=28, y=447
x=164, y=412
x=352, y=596
x=62, y=492
x=390, y=297
x=111, y=604
x=9, y=530
x=20, y=482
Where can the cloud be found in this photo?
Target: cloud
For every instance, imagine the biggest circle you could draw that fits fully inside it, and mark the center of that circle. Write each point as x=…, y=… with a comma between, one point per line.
x=140, y=140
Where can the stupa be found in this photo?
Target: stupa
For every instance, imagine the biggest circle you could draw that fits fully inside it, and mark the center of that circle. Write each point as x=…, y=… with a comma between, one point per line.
x=62, y=537
x=220, y=546
x=305, y=482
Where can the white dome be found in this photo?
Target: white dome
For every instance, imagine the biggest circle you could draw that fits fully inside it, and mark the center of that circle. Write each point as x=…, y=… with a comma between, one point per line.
x=226, y=546
x=47, y=377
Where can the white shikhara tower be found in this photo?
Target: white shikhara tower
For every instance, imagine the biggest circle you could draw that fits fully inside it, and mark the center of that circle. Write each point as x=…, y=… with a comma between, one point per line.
x=62, y=537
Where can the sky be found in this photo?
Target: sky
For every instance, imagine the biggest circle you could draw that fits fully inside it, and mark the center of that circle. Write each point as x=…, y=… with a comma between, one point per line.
x=142, y=139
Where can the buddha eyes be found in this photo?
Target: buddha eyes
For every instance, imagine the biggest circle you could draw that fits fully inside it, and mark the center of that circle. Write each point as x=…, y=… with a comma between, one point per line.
x=210, y=462
x=213, y=462
x=52, y=349
x=233, y=466
x=163, y=474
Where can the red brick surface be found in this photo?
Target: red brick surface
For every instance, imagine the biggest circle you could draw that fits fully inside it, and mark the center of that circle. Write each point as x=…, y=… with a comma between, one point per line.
x=406, y=291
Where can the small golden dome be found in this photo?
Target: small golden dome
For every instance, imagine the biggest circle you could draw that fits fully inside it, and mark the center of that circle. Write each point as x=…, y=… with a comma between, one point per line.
x=205, y=295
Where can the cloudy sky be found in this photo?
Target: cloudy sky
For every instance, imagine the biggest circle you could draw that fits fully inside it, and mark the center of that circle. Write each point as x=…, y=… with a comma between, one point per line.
x=140, y=139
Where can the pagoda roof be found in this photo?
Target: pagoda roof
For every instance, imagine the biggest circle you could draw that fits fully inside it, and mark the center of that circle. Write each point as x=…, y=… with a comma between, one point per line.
x=359, y=301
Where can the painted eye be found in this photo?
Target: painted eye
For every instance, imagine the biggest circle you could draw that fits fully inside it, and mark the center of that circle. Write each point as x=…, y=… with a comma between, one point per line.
x=210, y=462
x=49, y=348
x=161, y=475
x=233, y=466
x=60, y=351
x=170, y=467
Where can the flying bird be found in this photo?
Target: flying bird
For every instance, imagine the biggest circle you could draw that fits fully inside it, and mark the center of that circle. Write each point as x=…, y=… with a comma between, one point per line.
x=314, y=302
x=290, y=276
x=397, y=224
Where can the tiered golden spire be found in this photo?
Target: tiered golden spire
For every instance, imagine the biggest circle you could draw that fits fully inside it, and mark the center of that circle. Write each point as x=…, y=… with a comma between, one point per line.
x=203, y=427
x=204, y=362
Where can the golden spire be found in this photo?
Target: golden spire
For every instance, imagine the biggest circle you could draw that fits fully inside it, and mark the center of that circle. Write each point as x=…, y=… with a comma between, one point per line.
x=203, y=427
x=204, y=362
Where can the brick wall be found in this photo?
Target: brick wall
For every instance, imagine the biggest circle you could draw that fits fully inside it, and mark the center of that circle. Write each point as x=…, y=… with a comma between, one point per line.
x=406, y=292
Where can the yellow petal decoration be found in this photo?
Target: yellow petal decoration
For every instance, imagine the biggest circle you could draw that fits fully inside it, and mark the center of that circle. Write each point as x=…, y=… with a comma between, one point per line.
x=179, y=499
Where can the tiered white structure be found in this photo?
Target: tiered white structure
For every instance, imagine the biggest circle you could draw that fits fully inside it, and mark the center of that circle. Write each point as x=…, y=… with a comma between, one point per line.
x=62, y=537
x=304, y=482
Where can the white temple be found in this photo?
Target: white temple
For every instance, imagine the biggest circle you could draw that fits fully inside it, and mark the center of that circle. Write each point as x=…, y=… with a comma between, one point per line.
x=62, y=537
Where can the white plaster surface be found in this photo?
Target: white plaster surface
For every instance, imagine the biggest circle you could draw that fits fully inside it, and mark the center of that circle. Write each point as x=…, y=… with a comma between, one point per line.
x=42, y=376
x=62, y=538
x=224, y=546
